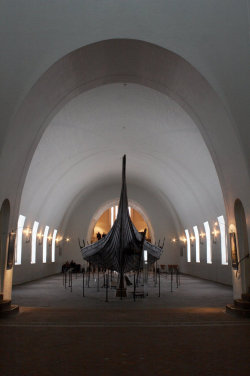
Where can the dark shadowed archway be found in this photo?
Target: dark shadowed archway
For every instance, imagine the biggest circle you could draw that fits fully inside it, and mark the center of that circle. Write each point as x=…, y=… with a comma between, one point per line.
x=243, y=248
x=4, y=226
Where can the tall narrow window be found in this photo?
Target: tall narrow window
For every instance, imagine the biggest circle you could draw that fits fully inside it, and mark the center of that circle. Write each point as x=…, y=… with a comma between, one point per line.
x=224, y=255
x=197, y=244
x=208, y=239
x=33, y=242
x=129, y=210
x=45, y=236
x=112, y=215
x=188, y=246
x=116, y=211
x=53, y=246
x=20, y=224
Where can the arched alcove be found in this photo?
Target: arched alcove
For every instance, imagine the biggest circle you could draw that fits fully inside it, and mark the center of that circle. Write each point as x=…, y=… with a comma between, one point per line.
x=133, y=204
x=4, y=227
x=243, y=248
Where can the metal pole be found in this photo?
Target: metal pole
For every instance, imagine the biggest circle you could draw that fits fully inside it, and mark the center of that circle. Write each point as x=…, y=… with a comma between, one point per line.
x=83, y=283
x=156, y=273
x=159, y=283
x=121, y=285
x=107, y=284
x=98, y=286
x=134, y=287
x=89, y=275
x=70, y=280
x=171, y=279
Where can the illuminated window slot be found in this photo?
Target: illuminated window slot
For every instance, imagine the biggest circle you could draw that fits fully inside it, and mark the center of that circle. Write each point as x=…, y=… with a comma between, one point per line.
x=112, y=215
x=188, y=246
x=208, y=239
x=33, y=242
x=45, y=236
x=116, y=211
x=197, y=244
x=224, y=253
x=53, y=246
x=18, y=253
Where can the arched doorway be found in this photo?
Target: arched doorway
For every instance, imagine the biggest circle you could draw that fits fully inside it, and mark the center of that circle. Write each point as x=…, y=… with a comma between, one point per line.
x=243, y=248
x=4, y=226
x=103, y=217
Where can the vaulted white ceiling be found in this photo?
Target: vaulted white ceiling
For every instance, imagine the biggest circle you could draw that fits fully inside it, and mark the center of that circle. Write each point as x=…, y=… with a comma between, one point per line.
x=82, y=148
x=213, y=36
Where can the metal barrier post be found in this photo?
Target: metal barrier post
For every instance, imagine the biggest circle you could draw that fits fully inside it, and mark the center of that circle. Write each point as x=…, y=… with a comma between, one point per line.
x=171, y=280
x=107, y=286
x=159, y=283
x=88, y=276
x=70, y=279
x=134, y=287
x=98, y=286
x=83, y=283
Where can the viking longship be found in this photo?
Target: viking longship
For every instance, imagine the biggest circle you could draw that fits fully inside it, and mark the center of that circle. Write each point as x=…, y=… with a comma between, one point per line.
x=122, y=248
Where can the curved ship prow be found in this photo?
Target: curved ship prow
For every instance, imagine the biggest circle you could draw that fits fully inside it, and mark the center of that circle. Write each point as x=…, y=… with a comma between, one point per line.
x=122, y=248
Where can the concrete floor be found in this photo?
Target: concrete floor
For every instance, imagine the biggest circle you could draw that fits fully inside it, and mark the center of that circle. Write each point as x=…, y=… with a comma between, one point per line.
x=192, y=292
x=184, y=332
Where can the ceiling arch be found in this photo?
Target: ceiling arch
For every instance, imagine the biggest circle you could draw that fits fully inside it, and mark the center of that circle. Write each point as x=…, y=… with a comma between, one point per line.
x=83, y=145
x=126, y=61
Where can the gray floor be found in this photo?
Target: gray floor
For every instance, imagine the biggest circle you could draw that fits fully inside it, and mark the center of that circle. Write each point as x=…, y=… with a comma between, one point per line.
x=192, y=292
x=186, y=332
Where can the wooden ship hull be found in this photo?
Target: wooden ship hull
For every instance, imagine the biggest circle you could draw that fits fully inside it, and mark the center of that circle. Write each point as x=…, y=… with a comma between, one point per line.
x=122, y=248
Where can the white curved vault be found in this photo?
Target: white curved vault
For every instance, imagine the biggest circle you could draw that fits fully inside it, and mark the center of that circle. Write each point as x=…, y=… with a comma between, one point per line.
x=82, y=148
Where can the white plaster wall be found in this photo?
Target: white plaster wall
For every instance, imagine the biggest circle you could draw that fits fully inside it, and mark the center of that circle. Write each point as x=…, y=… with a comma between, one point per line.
x=29, y=272
x=215, y=271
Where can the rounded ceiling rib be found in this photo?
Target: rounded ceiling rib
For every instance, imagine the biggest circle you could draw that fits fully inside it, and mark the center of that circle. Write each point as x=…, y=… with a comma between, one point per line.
x=158, y=67
x=83, y=145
